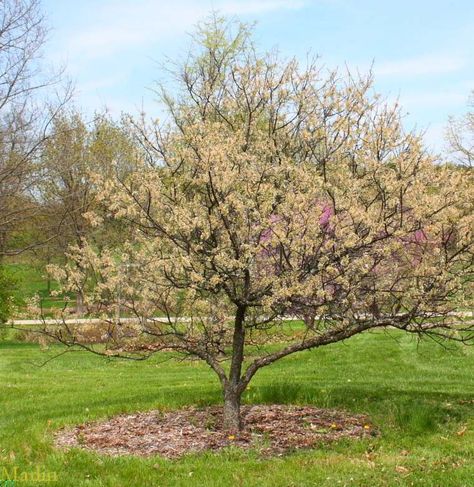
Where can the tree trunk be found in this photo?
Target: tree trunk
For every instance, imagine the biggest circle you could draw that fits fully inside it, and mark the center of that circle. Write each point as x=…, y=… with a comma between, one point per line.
x=232, y=419
x=80, y=303
x=232, y=387
x=48, y=276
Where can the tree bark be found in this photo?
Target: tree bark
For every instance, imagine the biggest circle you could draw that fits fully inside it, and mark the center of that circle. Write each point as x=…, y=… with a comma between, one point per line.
x=233, y=387
x=232, y=418
x=80, y=303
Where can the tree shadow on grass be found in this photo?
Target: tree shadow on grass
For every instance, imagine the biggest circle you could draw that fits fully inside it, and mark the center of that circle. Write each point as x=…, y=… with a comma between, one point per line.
x=412, y=411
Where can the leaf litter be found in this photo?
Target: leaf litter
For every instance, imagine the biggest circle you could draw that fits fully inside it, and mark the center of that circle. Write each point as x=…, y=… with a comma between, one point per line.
x=269, y=429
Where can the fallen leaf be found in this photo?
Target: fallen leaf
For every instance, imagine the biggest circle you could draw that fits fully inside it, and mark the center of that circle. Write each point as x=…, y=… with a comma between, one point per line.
x=172, y=434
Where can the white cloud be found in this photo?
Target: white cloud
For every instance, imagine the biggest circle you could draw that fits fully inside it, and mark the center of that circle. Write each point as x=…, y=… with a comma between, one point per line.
x=120, y=25
x=422, y=65
x=110, y=30
x=258, y=7
x=441, y=98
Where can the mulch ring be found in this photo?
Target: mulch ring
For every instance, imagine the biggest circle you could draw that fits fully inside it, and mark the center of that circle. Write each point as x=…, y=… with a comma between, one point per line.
x=270, y=429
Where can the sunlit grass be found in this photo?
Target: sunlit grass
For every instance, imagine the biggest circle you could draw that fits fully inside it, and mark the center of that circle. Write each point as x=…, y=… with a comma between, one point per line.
x=32, y=281
x=420, y=397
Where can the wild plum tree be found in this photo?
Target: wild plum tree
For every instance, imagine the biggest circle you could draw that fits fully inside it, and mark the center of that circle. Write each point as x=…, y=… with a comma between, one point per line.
x=274, y=190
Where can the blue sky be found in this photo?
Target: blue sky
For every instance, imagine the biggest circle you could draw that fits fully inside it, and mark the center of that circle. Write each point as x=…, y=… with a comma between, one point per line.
x=423, y=51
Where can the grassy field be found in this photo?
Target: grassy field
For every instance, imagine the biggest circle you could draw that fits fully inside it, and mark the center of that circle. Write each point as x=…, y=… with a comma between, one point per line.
x=30, y=281
x=420, y=396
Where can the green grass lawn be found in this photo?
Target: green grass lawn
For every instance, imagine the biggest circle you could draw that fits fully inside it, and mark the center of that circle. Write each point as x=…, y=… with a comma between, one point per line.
x=29, y=281
x=420, y=396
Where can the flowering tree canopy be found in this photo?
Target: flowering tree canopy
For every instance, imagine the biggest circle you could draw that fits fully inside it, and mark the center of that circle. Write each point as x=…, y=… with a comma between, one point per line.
x=275, y=190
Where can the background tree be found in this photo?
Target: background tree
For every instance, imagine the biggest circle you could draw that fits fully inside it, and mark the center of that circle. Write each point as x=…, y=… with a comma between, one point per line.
x=276, y=190
x=460, y=136
x=25, y=115
x=71, y=156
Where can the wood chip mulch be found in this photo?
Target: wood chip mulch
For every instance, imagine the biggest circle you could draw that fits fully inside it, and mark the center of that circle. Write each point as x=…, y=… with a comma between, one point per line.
x=269, y=429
